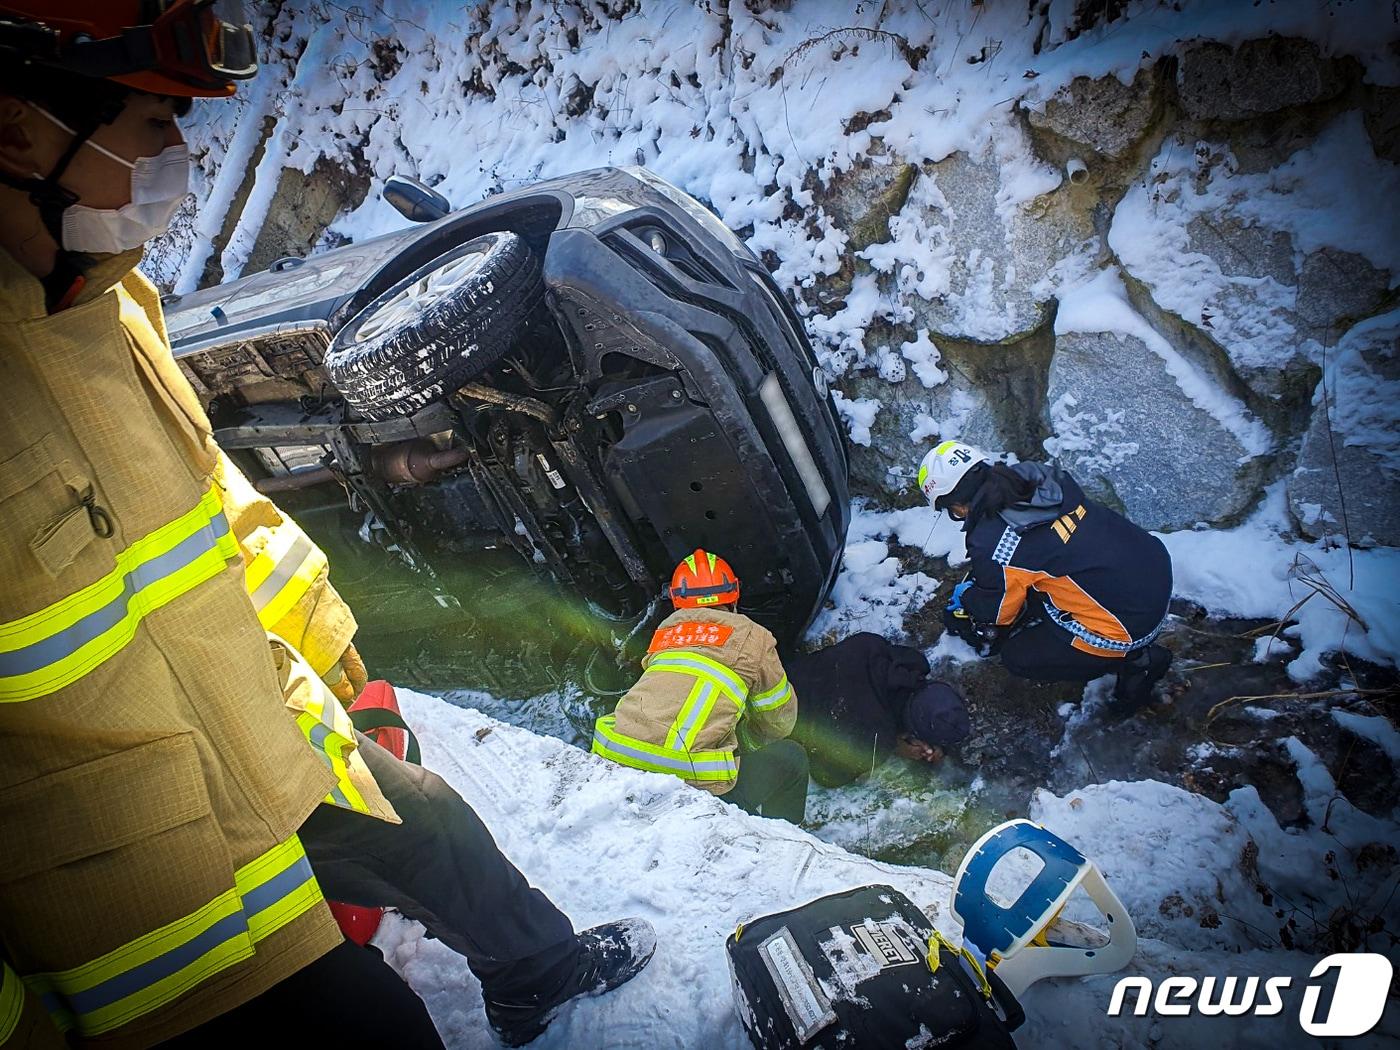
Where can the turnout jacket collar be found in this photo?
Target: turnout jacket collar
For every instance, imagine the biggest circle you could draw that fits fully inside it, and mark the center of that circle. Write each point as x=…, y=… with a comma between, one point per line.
x=22, y=294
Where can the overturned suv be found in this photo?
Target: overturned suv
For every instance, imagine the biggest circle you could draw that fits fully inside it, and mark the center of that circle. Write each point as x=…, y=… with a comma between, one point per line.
x=593, y=369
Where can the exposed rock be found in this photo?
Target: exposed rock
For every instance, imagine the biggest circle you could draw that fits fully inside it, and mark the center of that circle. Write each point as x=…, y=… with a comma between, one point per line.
x=302, y=208
x=1215, y=82
x=1348, y=472
x=967, y=260
x=991, y=397
x=1125, y=429
x=1241, y=257
x=1104, y=114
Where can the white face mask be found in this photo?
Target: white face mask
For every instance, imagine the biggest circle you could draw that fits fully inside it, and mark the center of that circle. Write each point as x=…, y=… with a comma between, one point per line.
x=158, y=186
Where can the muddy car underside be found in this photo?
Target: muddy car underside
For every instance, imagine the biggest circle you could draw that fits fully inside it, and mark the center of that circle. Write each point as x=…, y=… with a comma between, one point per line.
x=614, y=381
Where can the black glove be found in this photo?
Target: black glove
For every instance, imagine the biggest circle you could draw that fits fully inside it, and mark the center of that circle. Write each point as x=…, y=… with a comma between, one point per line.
x=985, y=638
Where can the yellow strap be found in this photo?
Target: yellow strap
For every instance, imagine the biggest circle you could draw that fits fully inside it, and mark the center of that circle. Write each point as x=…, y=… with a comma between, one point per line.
x=716, y=766
x=683, y=661
x=281, y=573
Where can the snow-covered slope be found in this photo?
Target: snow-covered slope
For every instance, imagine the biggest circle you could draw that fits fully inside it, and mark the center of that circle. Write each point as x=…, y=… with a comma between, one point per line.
x=604, y=841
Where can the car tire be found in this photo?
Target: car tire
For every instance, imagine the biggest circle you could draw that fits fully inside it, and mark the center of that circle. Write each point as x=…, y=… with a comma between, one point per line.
x=445, y=324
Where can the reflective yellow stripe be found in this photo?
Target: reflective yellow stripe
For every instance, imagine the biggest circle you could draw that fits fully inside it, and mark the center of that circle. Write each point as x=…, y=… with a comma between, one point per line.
x=163, y=965
x=54, y=647
x=944, y=447
x=772, y=699
x=331, y=747
x=713, y=766
x=683, y=662
x=690, y=560
x=281, y=573
x=11, y=1001
x=692, y=716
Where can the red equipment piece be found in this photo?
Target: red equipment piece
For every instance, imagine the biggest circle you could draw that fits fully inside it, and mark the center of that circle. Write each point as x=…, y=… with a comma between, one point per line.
x=359, y=923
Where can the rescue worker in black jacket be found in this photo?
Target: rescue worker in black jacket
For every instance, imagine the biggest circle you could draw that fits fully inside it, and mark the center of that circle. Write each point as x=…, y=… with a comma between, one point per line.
x=1064, y=588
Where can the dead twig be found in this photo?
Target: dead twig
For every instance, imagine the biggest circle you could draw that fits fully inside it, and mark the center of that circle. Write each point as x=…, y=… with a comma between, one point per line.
x=1317, y=695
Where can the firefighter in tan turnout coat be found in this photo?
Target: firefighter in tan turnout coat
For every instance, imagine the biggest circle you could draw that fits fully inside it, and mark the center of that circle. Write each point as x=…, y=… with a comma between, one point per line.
x=169, y=833
x=713, y=705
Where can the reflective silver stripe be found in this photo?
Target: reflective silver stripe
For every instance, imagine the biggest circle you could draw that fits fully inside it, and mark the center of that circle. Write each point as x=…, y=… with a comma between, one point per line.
x=776, y=698
x=317, y=737
x=697, y=707
x=1063, y=619
x=301, y=549
x=64, y=643
x=673, y=661
x=646, y=760
x=281, y=885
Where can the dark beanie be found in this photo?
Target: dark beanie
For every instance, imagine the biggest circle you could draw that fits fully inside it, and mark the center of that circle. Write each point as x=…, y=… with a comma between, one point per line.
x=936, y=715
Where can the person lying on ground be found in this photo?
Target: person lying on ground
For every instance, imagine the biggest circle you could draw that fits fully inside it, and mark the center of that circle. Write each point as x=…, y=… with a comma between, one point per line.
x=713, y=705
x=866, y=698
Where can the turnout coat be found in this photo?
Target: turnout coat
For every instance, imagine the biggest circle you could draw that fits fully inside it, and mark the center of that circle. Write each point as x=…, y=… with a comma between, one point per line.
x=709, y=676
x=151, y=781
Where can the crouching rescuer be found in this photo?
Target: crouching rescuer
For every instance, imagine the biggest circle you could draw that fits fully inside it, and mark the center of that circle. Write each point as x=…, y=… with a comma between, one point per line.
x=713, y=705
x=1062, y=587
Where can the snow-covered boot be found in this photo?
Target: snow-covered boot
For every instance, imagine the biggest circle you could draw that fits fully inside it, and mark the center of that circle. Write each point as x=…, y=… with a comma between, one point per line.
x=1140, y=673
x=608, y=955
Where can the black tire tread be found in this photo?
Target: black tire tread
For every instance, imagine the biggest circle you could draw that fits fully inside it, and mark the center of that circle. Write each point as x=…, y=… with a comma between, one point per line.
x=457, y=340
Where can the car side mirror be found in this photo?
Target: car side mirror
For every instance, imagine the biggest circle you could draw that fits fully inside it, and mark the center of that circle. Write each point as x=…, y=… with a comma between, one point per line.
x=415, y=201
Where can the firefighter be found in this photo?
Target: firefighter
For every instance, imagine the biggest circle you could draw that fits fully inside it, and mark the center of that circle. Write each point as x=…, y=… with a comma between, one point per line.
x=713, y=705
x=1062, y=587
x=169, y=831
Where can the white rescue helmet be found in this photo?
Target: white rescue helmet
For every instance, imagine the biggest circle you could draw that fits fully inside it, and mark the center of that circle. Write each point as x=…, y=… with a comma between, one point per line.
x=945, y=466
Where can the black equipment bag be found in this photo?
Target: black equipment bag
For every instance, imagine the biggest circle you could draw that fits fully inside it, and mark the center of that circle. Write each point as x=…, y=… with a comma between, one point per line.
x=864, y=970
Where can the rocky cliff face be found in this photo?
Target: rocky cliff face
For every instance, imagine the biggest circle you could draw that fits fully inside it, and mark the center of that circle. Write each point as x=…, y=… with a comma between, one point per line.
x=1162, y=246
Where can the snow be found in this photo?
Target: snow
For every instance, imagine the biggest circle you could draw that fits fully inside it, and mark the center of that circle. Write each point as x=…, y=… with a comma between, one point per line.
x=749, y=115
x=1362, y=391
x=605, y=842
x=1375, y=728
x=1259, y=570
x=1101, y=305
x=1321, y=197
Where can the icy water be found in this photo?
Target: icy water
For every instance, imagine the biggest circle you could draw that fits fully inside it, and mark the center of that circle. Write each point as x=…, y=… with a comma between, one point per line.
x=491, y=634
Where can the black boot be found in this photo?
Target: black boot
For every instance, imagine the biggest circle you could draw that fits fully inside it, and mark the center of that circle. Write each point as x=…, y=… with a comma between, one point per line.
x=608, y=956
x=1141, y=671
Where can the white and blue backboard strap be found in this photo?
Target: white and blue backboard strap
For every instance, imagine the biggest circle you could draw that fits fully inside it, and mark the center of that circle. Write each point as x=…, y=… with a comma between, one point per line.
x=999, y=930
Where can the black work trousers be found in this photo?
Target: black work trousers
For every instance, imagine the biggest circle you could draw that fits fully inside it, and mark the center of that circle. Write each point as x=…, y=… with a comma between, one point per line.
x=442, y=867
x=349, y=997
x=1045, y=652
x=772, y=782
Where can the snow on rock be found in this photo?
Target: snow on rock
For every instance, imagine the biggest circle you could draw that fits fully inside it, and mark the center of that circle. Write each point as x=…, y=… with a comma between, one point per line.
x=1349, y=462
x=1136, y=423
x=976, y=236
x=1104, y=114
x=1270, y=263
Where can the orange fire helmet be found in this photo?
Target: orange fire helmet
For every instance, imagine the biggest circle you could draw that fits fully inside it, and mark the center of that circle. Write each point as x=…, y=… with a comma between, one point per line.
x=182, y=48
x=702, y=580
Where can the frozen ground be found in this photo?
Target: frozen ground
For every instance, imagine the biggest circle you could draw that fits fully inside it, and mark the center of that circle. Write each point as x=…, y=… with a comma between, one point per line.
x=604, y=841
